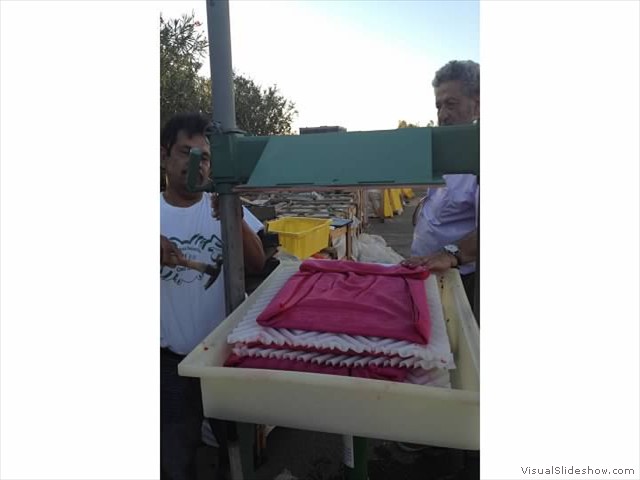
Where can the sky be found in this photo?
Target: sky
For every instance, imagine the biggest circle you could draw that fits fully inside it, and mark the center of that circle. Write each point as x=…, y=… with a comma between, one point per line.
x=363, y=65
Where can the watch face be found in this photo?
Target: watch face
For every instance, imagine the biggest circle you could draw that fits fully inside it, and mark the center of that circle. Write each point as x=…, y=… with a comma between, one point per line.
x=453, y=249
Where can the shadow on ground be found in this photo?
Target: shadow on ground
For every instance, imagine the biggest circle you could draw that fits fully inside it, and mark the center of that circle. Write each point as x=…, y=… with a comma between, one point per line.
x=318, y=456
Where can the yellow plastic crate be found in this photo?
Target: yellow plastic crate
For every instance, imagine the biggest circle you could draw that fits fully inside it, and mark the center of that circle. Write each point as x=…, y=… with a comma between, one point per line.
x=301, y=236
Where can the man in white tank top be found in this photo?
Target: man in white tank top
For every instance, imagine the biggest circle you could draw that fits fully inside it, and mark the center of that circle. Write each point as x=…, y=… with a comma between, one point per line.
x=188, y=312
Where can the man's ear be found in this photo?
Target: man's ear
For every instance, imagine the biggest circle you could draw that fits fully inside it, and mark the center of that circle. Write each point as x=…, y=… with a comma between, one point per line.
x=164, y=154
x=476, y=112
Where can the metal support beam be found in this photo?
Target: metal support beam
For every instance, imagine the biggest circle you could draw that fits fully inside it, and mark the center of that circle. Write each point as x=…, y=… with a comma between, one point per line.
x=355, y=458
x=223, y=102
x=224, y=115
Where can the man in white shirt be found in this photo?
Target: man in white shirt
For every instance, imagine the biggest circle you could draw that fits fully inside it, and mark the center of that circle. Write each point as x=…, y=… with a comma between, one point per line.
x=446, y=220
x=188, y=313
x=445, y=234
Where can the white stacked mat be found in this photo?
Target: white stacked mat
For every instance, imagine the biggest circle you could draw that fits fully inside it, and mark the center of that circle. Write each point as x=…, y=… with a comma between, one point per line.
x=429, y=364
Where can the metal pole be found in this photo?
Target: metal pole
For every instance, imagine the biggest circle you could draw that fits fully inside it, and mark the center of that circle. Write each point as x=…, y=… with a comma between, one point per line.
x=355, y=458
x=223, y=103
x=224, y=112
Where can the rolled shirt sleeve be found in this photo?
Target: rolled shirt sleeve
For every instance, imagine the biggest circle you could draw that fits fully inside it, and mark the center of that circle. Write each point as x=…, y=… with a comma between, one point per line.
x=449, y=213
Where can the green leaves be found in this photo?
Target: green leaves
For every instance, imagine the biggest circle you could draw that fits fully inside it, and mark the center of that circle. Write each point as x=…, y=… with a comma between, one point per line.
x=183, y=48
x=262, y=111
x=404, y=124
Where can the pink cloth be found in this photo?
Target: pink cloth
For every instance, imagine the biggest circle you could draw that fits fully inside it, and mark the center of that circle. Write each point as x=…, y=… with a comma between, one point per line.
x=333, y=351
x=393, y=374
x=353, y=298
x=303, y=348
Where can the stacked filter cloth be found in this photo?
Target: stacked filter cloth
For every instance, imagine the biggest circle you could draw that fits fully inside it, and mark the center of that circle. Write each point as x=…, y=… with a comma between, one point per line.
x=256, y=345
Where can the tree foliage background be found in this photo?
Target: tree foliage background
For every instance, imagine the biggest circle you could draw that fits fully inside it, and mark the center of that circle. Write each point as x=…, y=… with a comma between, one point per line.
x=405, y=124
x=183, y=48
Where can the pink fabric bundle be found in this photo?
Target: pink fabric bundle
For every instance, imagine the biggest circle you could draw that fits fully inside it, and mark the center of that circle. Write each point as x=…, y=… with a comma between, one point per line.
x=353, y=298
x=363, y=302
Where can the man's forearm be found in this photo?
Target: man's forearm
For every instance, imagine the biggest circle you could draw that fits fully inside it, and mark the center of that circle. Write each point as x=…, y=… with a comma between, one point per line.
x=468, y=246
x=254, y=257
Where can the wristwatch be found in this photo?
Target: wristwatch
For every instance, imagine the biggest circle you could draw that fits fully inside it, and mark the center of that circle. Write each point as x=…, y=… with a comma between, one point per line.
x=452, y=249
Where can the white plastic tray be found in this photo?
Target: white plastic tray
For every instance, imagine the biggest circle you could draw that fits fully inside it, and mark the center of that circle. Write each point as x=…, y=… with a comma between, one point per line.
x=346, y=405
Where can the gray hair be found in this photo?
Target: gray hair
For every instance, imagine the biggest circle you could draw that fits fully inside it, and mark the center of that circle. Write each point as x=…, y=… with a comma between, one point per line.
x=465, y=71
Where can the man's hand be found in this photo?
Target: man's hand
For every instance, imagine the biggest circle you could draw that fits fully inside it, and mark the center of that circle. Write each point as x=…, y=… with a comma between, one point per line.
x=436, y=262
x=441, y=261
x=170, y=255
x=215, y=205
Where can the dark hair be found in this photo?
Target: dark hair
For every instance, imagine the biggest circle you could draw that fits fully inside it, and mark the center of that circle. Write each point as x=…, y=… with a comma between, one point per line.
x=189, y=123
